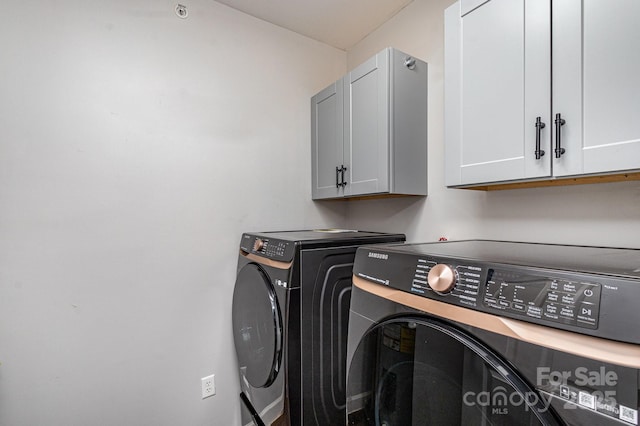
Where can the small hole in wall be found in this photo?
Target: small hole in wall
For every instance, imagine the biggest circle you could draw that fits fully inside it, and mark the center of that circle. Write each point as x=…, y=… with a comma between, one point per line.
x=181, y=11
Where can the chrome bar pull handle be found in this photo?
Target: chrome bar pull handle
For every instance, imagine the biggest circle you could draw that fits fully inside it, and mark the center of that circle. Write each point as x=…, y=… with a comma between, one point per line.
x=559, y=123
x=539, y=126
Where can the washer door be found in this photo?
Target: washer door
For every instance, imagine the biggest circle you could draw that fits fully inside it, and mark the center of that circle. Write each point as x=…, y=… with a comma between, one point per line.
x=257, y=326
x=422, y=371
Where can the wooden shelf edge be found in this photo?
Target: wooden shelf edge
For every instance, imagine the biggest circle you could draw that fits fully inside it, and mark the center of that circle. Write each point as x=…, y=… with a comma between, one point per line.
x=583, y=180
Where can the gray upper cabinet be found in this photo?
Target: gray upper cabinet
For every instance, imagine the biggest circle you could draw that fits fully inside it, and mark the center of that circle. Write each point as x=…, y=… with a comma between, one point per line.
x=512, y=114
x=369, y=130
x=327, y=140
x=366, y=151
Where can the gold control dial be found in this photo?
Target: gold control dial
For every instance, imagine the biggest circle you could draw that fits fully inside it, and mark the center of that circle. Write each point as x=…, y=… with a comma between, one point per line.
x=258, y=244
x=442, y=278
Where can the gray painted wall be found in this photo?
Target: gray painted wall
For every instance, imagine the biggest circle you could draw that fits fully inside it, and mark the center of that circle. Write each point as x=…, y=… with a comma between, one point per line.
x=135, y=147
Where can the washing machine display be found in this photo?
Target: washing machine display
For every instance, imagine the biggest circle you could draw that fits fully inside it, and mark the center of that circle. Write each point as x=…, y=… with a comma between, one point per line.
x=490, y=332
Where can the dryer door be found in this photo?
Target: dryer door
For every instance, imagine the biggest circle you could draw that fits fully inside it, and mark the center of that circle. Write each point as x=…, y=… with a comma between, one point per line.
x=257, y=326
x=422, y=371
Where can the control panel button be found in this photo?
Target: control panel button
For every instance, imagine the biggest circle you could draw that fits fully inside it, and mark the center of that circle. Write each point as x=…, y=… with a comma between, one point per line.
x=258, y=244
x=534, y=311
x=441, y=278
x=587, y=312
x=519, y=307
x=568, y=312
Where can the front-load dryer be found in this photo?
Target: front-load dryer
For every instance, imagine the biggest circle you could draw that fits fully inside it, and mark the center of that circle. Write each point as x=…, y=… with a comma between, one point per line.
x=494, y=333
x=290, y=317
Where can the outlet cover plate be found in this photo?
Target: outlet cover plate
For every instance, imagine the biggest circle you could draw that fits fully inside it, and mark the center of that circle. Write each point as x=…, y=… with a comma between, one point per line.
x=208, y=386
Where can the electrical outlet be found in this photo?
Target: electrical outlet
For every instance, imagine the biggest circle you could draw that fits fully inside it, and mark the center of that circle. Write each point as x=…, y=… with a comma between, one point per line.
x=208, y=386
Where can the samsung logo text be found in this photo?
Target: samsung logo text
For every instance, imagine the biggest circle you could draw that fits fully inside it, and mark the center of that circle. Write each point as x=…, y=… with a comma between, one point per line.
x=378, y=255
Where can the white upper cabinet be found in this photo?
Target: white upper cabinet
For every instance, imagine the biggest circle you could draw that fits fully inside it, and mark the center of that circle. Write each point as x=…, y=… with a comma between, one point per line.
x=503, y=120
x=498, y=66
x=369, y=130
x=596, y=86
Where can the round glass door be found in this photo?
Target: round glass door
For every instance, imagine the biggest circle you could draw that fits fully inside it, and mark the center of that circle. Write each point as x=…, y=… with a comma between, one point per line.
x=257, y=326
x=422, y=371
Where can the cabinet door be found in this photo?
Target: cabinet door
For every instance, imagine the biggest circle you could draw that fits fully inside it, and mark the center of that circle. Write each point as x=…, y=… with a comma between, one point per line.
x=366, y=148
x=326, y=141
x=596, y=85
x=497, y=82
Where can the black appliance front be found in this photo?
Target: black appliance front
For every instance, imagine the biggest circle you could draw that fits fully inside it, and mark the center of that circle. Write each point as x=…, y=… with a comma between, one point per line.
x=416, y=369
x=290, y=323
x=259, y=311
x=421, y=356
x=326, y=295
x=260, y=337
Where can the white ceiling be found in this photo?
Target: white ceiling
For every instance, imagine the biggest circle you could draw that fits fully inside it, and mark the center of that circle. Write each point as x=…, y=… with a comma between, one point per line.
x=338, y=23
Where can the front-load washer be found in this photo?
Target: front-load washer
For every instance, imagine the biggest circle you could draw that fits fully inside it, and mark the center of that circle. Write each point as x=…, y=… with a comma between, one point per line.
x=290, y=317
x=494, y=333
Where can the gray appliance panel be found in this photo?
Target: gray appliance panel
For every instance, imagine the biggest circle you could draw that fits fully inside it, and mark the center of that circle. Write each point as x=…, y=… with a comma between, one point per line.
x=283, y=245
x=596, y=294
x=623, y=262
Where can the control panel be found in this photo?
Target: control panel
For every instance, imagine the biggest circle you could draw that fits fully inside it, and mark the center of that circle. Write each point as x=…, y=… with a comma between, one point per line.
x=566, y=301
x=464, y=286
x=561, y=300
x=268, y=247
x=556, y=299
x=596, y=304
